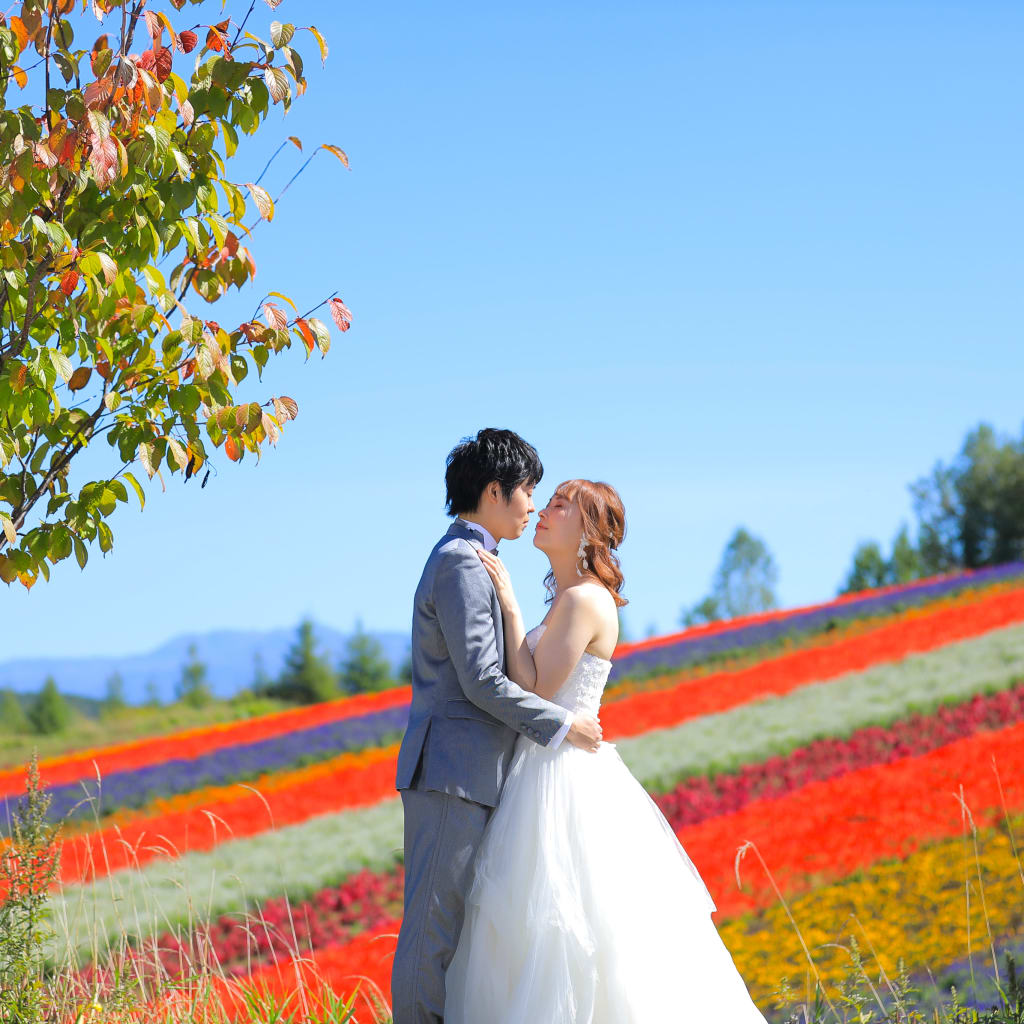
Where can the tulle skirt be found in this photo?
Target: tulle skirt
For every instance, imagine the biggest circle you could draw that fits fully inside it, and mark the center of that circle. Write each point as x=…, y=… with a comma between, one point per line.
x=585, y=909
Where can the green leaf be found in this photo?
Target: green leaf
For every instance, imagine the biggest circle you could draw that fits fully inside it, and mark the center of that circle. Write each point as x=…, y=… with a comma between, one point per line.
x=61, y=364
x=99, y=124
x=137, y=487
x=182, y=161
x=281, y=35
x=81, y=552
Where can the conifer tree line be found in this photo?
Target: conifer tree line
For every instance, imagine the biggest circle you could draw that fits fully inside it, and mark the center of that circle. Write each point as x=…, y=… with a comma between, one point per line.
x=306, y=677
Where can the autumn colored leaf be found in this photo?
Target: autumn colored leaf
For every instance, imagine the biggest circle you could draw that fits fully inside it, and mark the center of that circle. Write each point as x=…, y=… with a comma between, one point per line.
x=307, y=334
x=188, y=40
x=276, y=317
x=263, y=201
x=340, y=313
x=69, y=281
x=153, y=25
x=232, y=449
x=338, y=152
x=277, y=83
x=17, y=26
x=164, y=62
x=321, y=42
x=146, y=458
x=285, y=408
x=79, y=378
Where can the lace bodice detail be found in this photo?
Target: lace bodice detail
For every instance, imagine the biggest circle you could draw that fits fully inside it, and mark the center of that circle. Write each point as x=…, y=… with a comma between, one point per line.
x=581, y=692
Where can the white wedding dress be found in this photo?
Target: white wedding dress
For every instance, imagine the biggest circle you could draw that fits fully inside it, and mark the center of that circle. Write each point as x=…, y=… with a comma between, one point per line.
x=584, y=907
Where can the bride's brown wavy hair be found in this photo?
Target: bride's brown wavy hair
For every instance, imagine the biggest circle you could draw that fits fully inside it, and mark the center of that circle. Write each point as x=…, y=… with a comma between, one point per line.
x=604, y=526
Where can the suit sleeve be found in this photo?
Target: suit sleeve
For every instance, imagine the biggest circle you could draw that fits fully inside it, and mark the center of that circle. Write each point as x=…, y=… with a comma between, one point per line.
x=462, y=601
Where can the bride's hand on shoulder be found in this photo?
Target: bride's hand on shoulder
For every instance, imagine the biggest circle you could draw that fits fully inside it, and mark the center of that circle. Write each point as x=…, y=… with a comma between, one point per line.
x=500, y=577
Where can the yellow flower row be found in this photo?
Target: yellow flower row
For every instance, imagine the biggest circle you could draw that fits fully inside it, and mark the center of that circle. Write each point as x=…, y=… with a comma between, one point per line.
x=929, y=910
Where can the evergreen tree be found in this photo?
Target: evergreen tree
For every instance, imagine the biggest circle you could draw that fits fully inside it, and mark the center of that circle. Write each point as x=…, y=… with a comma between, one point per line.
x=307, y=677
x=12, y=714
x=114, y=700
x=49, y=712
x=193, y=688
x=261, y=682
x=869, y=568
x=152, y=692
x=405, y=670
x=364, y=668
x=905, y=562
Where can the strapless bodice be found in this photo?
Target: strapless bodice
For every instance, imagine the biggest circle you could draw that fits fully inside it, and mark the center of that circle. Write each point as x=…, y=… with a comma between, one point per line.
x=582, y=691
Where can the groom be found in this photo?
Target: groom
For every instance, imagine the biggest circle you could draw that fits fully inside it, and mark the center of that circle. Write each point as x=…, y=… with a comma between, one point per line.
x=465, y=715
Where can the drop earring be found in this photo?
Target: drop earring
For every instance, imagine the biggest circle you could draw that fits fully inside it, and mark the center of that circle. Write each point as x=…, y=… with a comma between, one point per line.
x=581, y=553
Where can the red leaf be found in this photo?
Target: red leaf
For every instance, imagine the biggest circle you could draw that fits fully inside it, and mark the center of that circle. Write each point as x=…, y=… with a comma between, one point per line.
x=147, y=60
x=69, y=281
x=188, y=40
x=340, y=313
x=214, y=40
x=307, y=333
x=163, y=64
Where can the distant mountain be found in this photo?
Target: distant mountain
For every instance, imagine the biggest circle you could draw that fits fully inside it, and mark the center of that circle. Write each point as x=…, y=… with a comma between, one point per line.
x=229, y=655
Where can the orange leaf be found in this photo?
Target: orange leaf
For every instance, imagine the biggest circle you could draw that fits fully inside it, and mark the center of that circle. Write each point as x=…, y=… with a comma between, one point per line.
x=338, y=152
x=214, y=40
x=340, y=313
x=19, y=76
x=69, y=281
x=18, y=28
x=234, y=453
x=18, y=375
x=307, y=333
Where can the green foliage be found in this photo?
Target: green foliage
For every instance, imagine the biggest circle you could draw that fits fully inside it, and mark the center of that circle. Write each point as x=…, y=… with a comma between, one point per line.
x=124, y=165
x=872, y=569
x=49, y=712
x=307, y=677
x=971, y=512
x=192, y=688
x=28, y=866
x=152, y=694
x=364, y=669
x=12, y=714
x=743, y=584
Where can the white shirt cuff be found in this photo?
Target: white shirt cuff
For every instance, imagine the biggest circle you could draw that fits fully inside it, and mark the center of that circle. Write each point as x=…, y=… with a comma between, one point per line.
x=563, y=732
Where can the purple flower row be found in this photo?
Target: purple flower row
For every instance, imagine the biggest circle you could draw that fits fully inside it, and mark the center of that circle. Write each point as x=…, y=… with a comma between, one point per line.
x=690, y=650
x=140, y=786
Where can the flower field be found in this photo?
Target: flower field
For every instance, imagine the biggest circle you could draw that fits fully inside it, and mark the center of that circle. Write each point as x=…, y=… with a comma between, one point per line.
x=871, y=749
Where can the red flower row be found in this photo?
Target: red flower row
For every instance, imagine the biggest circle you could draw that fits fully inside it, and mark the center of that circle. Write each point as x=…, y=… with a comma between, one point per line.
x=916, y=632
x=700, y=798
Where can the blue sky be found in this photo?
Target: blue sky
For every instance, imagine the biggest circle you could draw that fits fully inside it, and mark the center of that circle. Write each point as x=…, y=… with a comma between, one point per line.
x=752, y=264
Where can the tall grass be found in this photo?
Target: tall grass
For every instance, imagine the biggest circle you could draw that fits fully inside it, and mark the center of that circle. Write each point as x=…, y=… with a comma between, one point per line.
x=42, y=980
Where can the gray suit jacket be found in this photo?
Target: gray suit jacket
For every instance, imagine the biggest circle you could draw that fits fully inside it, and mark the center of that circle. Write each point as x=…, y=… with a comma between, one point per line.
x=466, y=713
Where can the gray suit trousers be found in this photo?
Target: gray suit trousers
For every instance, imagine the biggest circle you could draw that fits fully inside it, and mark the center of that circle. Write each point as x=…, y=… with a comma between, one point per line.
x=442, y=835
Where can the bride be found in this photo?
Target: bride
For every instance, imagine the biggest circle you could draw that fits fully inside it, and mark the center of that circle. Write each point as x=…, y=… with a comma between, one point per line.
x=584, y=908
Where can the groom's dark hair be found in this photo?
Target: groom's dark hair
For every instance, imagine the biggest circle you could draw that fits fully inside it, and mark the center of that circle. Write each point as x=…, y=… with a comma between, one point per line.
x=500, y=455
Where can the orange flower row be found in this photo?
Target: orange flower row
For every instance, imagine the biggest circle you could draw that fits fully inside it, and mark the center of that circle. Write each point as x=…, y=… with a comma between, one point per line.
x=914, y=633
x=346, y=782
x=829, y=829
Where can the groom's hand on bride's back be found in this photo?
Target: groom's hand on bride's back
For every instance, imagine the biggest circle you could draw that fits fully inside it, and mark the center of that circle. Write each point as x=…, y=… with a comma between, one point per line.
x=585, y=733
